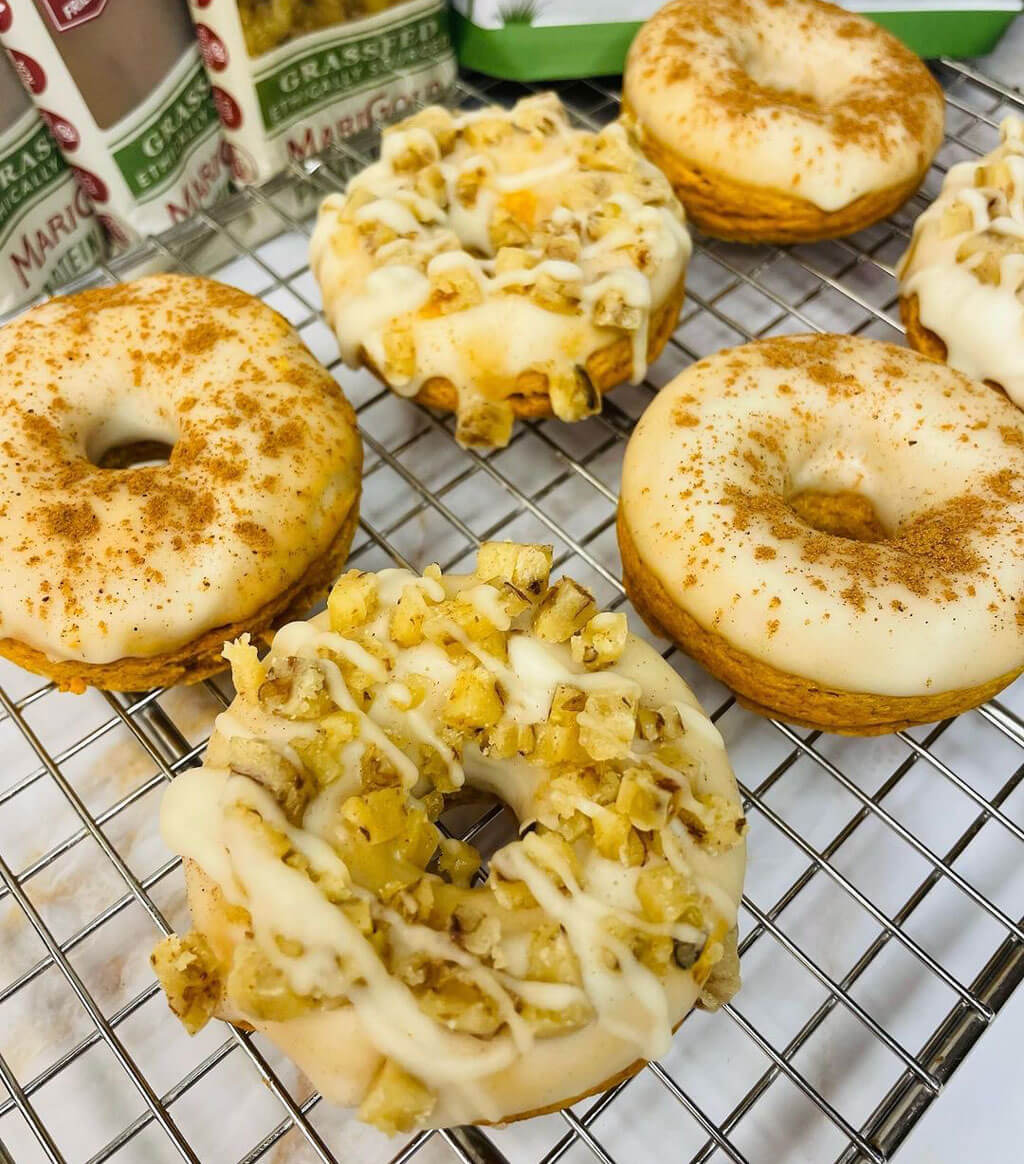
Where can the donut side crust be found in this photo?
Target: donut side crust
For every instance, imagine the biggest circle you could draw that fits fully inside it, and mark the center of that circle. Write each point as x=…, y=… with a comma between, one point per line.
x=919, y=337
x=607, y=368
x=771, y=692
x=922, y=339
x=217, y=929
x=741, y=212
x=200, y=658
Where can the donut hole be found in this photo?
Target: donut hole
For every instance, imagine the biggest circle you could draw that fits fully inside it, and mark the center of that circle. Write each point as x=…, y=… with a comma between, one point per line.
x=483, y=819
x=134, y=455
x=121, y=442
x=780, y=68
x=844, y=514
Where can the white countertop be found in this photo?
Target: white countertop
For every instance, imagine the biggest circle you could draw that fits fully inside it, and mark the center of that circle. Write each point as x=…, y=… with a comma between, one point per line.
x=978, y=1117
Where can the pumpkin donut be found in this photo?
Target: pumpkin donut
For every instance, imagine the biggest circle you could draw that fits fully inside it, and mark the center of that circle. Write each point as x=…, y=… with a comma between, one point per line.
x=780, y=121
x=127, y=576
x=500, y=263
x=333, y=915
x=833, y=527
x=962, y=277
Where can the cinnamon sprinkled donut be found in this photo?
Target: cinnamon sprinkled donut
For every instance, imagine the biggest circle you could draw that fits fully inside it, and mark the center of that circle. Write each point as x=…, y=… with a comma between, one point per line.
x=834, y=527
x=125, y=575
x=781, y=120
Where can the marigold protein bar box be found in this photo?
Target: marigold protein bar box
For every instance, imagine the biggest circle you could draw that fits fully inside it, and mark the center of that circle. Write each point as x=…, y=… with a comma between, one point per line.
x=48, y=230
x=532, y=40
x=290, y=77
x=122, y=86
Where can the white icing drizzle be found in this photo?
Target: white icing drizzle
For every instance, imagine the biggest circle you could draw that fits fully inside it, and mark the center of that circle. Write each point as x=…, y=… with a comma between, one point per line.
x=545, y=995
x=612, y=977
x=284, y=902
x=389, y=711
x=388, y=292
x=393, y=144
x=190, y=824
x=537, y=177
x=329, y=958
x=528, y=276
x=687, y=857
x=322, y=815
x=471, y=222
x=415, y=938
x=487, y=602
x=526, y=178
x=239, y=722
x=979, y=319
x=535, y=670
x=354, y=653
x=635, y=291
x=368, y=728
x=391, y=213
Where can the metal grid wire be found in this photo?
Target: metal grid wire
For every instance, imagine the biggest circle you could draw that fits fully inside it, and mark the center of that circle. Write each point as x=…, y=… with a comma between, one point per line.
x=881, y=923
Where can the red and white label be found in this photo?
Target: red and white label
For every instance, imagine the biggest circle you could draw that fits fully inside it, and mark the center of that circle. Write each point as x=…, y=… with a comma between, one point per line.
x=214, y=50
x=92, y=184
x=114, y=229
x=67, y=136
x=243, y=164
x=29, y=70
x=227, y=107
x=65, y=14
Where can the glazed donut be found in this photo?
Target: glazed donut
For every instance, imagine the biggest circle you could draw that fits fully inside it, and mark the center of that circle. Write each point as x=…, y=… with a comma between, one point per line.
x=962, y=277
x=780, y=122
x=832, y=526
x=127, y=576
x=499, y=263
x=332, y=914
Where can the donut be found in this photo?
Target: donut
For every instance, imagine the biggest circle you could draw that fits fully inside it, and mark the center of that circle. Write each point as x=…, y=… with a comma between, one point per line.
x=962, y=277
x=126, y=575
x=499, y=263
x=780, y=120
x=333, y=913
x=833, y=527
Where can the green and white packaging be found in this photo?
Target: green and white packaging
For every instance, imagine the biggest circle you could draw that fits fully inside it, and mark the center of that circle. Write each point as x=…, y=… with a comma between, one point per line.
x=536, y=40
x=122, y=87
x=285, y=90
x=48, y=230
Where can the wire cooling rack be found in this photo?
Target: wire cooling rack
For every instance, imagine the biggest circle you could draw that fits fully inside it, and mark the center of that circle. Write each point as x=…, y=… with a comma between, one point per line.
x=881, y=923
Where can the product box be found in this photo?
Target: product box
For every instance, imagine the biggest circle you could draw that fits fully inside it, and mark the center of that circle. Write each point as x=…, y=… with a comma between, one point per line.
x=122, y=87
x=294, y=76
x=48, y=229
x=536, y=40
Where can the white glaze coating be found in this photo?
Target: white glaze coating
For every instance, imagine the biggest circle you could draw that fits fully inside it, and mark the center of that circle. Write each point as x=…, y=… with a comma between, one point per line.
x=630, y=1011
x=101, y=564
x=965, y=264
x=540, y=183
x=714, y=457
x=799, y=98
